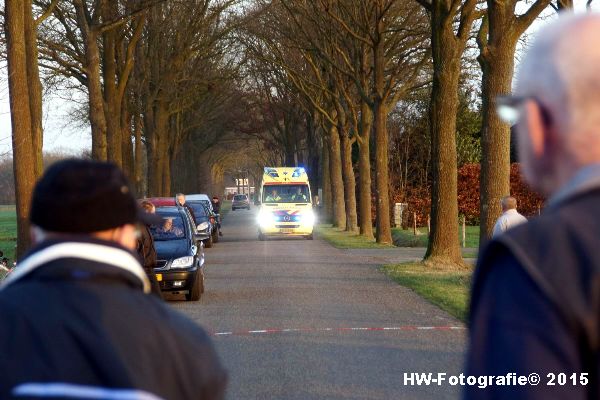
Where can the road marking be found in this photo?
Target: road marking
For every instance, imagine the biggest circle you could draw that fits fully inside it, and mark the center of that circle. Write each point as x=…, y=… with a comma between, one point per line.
x=340, y=329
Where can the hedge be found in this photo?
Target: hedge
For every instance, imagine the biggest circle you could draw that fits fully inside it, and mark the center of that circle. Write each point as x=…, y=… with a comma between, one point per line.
x=419, y=198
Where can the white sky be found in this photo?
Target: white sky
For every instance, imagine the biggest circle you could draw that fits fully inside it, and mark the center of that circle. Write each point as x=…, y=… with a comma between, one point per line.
x=61, y=135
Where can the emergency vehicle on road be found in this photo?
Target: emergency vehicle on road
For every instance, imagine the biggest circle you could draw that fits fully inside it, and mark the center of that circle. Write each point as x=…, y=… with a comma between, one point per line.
x=285, y=203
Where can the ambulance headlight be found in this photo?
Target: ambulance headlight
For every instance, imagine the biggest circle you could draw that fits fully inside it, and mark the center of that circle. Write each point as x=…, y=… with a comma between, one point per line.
x=308, y=218
x=265, y=218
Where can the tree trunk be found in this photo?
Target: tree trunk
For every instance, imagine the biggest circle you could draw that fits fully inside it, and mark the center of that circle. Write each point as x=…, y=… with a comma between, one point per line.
x=157, y=149
x=22, y=141
x=443, y=244
x=497, y=64
x=382, y=196
x=364, y=168
x=112, y=109
x=138, y=155
x=327, y=200
x=497, y=41
x=35, y=89
x=337, y=183
x=167, y=182
x=94, y=85
x=113, y=103
x=348, y=177
x=126, y=143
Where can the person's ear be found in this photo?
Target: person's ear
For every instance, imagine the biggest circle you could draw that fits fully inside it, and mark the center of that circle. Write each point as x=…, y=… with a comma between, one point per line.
x=536, y=129
x=125, y=235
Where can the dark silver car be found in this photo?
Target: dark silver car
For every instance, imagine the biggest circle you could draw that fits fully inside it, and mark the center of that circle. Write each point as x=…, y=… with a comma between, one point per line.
x=240, y=201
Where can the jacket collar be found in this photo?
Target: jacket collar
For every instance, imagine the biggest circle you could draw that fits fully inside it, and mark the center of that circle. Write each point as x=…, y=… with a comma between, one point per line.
x=100, y=252
x=585, y=180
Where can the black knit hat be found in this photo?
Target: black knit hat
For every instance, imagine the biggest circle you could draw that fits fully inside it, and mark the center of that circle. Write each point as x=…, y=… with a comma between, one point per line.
x=81, y=196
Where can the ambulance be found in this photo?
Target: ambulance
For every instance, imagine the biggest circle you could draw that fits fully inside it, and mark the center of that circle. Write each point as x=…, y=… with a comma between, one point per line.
x=285, y=203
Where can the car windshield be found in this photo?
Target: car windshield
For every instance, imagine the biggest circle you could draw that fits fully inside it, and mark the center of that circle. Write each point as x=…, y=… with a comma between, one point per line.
x=286, y=194
x=172, y=228
x=240, y=197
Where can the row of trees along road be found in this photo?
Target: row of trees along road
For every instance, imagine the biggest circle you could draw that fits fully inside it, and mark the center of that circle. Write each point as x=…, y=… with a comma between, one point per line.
x=202, y=84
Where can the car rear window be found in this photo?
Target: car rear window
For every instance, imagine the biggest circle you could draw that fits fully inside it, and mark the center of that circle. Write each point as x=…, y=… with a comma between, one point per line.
x=199, y=208
x=240, y=197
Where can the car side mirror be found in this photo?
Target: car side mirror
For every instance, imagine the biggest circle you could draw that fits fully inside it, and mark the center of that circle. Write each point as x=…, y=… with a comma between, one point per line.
x=199, y=237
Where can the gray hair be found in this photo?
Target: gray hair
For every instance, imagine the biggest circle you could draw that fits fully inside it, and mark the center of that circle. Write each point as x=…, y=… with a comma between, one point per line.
x=561, y=70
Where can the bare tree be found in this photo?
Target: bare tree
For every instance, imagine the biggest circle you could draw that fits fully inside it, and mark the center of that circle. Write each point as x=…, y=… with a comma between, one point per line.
x=497, y=39
x=451, y=22
x=22, y=134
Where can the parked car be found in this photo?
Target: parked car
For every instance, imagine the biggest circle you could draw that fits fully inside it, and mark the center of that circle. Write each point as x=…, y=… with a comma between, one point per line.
x=205, y=222
x=240, y=201
x=204, y=199
x=179, y=253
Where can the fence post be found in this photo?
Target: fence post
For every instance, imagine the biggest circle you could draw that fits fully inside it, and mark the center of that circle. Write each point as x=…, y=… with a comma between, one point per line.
x=415, y=223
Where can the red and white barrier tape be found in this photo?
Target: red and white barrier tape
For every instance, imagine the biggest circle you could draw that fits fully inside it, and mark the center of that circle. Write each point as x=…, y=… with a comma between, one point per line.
x=305, y=330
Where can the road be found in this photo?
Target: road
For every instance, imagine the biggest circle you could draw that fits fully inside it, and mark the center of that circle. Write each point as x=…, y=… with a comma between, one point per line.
x=280, y=313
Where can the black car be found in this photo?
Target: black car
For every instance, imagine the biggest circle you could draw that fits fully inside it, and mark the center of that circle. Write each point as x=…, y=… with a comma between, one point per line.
x=179, y=253
x=205, y=222
x=195, y=200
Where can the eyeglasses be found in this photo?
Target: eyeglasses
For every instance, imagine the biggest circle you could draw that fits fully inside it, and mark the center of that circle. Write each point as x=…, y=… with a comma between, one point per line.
x=510, y=108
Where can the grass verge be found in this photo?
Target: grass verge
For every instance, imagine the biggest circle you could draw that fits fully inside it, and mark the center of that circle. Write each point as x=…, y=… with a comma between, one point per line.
x=8, y=231
x=407, y=238
x=447, y=289
x=347, y=240
x=225, y=207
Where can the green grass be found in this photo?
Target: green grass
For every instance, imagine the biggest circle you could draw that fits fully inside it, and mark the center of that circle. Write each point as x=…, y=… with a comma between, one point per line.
x=8, y=231
x=346, y=240
x=225, y=207
x=406, y=237
x=448, y=289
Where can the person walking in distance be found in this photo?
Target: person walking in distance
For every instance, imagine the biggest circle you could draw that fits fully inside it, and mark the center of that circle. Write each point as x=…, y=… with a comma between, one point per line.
x=534, y=302
x=76, y=316
x=510, y=216
x=216, y=204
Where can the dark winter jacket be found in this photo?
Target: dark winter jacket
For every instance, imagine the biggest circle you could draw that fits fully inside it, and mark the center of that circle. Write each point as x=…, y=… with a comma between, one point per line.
x=147, y=255
x=76, y=318
x=536, y=303
x=145, y=249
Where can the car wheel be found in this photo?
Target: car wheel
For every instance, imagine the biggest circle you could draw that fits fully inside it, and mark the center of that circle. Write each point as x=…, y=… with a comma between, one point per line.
x=197, y=287
x=248, y=208
x=232, y=208
x=208, y=243
x=310, y=237
x=215, y=235
x=261, y=237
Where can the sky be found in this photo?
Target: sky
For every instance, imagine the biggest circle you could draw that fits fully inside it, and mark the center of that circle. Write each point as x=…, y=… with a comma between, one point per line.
x=61, y=135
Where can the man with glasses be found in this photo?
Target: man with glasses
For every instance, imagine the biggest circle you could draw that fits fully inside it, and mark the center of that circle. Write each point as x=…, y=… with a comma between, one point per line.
x=535, y=304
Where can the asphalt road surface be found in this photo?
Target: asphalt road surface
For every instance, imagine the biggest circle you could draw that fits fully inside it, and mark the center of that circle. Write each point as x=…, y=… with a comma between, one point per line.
x=300, y=319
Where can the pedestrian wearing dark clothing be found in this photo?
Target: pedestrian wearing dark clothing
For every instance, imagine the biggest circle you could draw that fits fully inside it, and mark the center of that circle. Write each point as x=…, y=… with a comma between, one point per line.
x=76, y=317
x=180, y=199
x=216, y=204
x=535, y=309
x=146, y=250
